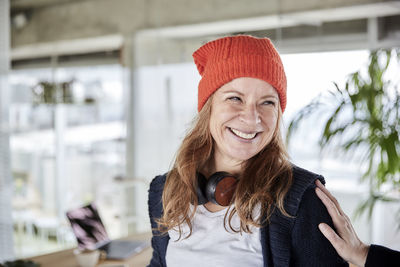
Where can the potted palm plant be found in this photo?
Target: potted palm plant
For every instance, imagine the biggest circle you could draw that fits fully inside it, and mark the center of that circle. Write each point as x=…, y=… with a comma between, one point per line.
x=47, y=92
x=364, y=120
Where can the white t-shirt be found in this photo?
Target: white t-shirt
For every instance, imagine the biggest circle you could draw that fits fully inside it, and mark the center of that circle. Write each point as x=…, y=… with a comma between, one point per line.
x=212, y=245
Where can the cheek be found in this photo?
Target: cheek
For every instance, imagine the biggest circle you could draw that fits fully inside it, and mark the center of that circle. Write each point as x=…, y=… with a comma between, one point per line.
x=215, y=123
x=221, y=114
x=212, y=127
x=270, y=119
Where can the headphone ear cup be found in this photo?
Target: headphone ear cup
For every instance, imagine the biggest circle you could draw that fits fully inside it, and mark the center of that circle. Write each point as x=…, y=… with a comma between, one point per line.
x=201, y=189
x=220, y=188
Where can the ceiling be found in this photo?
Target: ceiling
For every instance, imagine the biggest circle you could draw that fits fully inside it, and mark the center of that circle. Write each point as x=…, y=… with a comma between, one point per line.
x=19, y=5
x=44, y=28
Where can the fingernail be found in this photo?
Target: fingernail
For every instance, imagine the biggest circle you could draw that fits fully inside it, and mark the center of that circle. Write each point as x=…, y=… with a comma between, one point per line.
x=322, y=227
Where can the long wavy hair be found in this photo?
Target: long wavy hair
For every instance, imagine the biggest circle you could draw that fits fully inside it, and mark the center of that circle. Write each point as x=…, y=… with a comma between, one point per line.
x=265, y=180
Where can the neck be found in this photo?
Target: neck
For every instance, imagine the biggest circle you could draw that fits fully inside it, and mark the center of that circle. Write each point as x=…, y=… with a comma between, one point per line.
x=219, y=163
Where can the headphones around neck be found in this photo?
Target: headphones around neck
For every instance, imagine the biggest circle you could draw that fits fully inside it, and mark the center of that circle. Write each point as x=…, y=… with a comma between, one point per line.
x=218, y=188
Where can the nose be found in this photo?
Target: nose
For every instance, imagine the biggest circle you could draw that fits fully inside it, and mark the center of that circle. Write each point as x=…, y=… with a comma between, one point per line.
x=250, y=115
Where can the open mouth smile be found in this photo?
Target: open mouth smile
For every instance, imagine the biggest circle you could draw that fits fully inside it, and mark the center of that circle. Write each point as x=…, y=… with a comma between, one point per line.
x=247, y=136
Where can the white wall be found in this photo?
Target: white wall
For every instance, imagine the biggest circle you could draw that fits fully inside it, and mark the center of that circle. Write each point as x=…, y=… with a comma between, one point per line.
x=167, y=103
x=6, y=185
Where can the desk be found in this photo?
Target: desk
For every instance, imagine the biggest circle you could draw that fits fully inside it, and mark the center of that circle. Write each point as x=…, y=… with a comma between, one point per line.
x=66, y=258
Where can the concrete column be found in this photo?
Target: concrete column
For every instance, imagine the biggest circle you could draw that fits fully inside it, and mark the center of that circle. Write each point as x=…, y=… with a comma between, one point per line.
x=60, y=126
x=6, y=182
x=130, y=104
x=373, y=33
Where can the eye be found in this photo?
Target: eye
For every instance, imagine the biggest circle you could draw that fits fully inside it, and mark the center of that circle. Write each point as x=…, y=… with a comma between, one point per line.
x=234, y=99
x=269, y=102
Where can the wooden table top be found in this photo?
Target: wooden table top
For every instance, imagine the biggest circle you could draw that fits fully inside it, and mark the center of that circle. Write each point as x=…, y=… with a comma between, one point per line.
x=66, y=258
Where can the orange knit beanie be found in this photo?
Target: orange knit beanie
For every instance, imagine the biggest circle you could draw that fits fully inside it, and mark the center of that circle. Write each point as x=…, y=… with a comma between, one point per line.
x=228, y=58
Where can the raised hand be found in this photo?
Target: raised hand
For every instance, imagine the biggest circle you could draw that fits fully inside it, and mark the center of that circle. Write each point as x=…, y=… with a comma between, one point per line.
x=345, y=239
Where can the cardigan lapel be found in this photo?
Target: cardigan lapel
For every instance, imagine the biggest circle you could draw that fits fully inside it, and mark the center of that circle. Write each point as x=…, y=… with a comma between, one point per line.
x=280, y=226
x=266, y=250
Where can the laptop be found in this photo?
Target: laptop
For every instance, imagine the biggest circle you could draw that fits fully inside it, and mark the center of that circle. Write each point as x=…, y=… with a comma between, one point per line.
x=91, y=234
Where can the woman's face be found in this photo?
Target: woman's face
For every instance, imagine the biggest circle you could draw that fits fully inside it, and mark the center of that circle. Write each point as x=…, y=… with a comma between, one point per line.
x=244, y=114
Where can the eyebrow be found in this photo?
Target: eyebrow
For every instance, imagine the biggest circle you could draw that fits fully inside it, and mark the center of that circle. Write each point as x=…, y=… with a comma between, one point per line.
x=241, y=94
x=233, y=91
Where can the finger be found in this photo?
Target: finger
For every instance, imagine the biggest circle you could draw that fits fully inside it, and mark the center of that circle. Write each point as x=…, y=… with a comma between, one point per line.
x=323, y=188
x=337, y=242
x=329, y=195
x=329, y=204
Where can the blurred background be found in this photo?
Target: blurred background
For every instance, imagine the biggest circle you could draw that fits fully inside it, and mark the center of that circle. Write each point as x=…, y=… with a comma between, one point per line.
x=96, y=95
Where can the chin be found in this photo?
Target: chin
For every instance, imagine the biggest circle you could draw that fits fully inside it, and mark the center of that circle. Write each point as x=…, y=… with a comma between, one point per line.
x=242, y=156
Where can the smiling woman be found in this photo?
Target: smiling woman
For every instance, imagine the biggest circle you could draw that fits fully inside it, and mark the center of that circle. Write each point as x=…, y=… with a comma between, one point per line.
x=235, y=152
x=244, y=117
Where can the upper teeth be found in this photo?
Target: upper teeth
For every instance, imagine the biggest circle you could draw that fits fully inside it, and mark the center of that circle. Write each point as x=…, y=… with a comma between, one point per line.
x=243, y=135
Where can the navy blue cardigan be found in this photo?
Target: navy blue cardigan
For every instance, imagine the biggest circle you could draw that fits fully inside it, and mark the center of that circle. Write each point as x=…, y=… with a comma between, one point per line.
x=379, y=256
x=285, y=241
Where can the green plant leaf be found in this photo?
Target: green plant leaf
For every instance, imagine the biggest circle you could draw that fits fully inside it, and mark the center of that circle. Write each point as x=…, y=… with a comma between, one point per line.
x=365, y=118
